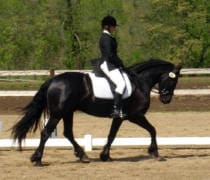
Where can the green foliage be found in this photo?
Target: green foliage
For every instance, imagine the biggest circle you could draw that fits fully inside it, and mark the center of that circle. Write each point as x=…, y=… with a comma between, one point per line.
x=44, y=34
x=86, y=28
x=180, y=31
x=31, y=34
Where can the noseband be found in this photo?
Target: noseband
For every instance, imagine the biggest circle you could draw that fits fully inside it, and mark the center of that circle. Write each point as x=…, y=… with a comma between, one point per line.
x=165, y=92
x=162, y=92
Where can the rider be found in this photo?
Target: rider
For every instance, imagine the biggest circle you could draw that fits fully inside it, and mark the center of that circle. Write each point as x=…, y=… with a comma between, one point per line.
x=111, y=64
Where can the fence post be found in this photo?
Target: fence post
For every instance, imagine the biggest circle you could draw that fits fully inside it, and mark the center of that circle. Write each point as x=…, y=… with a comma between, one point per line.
x=52, y=73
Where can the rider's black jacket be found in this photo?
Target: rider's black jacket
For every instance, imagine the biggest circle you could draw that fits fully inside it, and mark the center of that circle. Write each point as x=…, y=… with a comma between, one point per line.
x=108, y=48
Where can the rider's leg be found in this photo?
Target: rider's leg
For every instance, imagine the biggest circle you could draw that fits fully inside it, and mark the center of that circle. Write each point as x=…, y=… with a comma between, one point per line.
x=116, y=77
x=120, y=87
x=117, y=107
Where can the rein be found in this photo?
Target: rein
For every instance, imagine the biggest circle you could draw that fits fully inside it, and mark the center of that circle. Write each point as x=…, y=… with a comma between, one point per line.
x=156, y=91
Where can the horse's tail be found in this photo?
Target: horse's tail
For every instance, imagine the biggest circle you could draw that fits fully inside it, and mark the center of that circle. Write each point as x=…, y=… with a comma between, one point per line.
x=33, y=112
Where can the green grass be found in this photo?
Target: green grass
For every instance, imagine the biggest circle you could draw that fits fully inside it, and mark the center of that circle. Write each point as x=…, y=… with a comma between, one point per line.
x=32, y=85
x=22, y=82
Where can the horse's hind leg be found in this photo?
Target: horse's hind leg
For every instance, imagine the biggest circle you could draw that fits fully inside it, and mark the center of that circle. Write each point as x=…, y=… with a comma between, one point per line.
x=104, y=156
x=68, y=133
x=46, y=132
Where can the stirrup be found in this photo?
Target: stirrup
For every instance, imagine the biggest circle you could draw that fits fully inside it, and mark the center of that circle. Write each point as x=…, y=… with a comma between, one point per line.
x=118, y=114
x=122, y=115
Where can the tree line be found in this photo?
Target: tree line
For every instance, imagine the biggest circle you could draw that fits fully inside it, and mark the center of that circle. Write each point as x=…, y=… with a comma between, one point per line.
x=64, y=34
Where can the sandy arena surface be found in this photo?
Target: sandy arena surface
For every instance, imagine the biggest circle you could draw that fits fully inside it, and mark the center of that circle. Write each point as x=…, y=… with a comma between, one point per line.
x=183, y=163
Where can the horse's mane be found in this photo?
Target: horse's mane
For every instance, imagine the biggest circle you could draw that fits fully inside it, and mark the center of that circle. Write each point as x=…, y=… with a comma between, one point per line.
x=139, y=67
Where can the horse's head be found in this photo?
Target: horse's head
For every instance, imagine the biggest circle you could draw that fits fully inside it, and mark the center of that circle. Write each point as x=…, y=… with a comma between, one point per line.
x=160, y=72
x=167, y=84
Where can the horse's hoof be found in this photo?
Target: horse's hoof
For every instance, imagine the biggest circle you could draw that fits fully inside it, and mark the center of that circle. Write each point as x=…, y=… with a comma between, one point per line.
x=160, y=158
x=85, y=159
x=37, y=163
x=105, y=158
x=154, y=154
x=157, y=158
x=109, y=159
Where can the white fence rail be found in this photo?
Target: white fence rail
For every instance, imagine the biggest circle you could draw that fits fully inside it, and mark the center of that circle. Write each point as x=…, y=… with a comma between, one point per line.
x=177, y=92
x=186, y=71
x=88, y=142
x=36, y=72
x=194, y=71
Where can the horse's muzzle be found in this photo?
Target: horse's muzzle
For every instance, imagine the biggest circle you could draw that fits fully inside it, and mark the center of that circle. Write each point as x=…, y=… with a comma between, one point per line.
x=165, y=96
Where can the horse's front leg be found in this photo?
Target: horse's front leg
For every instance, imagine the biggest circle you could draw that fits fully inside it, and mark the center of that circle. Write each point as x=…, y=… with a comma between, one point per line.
x=144, y=123
x=116, y=123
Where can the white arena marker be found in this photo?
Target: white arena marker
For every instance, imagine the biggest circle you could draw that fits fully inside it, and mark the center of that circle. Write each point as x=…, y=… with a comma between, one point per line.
x=1, y=125
x=88, y=142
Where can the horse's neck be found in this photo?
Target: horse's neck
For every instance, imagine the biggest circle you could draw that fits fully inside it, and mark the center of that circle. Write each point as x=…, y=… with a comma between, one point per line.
x=149, y=73
x=147, y=80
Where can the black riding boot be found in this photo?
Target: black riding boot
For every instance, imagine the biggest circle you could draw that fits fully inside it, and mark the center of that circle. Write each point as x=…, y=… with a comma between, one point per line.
x=117, y=108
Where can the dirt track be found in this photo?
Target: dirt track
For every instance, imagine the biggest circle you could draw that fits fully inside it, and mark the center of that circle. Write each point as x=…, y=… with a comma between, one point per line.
x=185, y=163
x=129, y=164
x=13, y=105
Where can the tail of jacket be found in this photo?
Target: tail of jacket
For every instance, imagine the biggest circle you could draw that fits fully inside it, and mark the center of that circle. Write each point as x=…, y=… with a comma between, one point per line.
x=33, y=112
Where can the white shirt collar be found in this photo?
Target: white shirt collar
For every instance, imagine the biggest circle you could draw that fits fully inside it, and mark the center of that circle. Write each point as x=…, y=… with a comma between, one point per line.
x=106, y=32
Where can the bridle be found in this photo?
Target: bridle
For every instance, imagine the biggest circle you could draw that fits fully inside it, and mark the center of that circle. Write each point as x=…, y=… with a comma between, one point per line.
x=162, y=92
x=165, y=92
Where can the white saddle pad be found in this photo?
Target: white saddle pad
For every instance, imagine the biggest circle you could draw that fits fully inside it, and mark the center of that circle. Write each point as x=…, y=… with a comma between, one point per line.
x=101, y=87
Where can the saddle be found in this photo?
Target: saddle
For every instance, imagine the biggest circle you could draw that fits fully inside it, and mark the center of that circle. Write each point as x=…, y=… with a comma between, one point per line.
x=103, y=88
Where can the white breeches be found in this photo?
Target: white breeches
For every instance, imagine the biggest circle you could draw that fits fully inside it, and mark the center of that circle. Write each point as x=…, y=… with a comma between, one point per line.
x=115, y=76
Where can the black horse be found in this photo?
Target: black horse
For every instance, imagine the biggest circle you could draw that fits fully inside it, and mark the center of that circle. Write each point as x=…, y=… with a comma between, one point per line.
x=71, y=91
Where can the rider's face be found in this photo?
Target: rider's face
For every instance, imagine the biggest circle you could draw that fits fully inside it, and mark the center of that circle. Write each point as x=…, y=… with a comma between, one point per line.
x=112, y=29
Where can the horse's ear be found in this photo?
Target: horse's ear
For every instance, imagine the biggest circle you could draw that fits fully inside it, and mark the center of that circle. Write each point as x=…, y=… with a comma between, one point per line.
x=178, y=68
